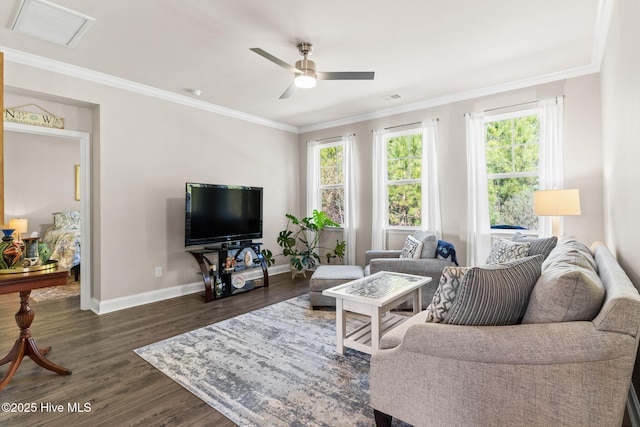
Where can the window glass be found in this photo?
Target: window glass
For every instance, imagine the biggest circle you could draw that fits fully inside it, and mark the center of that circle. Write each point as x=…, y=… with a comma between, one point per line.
x=404, y=171
x=512, y=147
x=332, y=181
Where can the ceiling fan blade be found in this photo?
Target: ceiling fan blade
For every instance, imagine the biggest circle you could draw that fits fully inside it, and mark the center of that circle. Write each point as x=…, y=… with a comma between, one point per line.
x=289, y=92
x=345, y=75
x=275, y=60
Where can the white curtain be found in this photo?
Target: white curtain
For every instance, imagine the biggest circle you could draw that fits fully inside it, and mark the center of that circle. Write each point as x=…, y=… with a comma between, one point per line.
x=430, y=203
x=478, y=224
x=378, y=208
x=313, y=177
x=551, y=157
x=313, y=191
x=349, y=200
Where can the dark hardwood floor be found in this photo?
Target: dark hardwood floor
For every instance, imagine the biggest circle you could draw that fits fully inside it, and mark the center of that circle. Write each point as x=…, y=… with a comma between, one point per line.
x=120, y=387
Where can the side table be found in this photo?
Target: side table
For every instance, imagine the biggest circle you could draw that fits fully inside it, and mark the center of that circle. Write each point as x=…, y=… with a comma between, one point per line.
x=25, y=345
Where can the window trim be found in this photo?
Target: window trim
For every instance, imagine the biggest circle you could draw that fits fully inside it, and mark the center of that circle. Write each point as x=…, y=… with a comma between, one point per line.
x=387, y=137
x=319, y=147
x=533, y=111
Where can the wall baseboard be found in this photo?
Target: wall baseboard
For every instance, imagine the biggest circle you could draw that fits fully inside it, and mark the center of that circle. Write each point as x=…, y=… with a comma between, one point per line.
x=130, y=301
x=633, y=407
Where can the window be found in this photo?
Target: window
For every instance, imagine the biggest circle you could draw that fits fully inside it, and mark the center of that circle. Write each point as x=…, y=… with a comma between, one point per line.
x=331, y=186
x=404, y=178
x=512, y=161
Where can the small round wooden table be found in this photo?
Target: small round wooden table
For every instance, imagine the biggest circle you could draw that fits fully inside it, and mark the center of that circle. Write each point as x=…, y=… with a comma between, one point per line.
x=25, y=345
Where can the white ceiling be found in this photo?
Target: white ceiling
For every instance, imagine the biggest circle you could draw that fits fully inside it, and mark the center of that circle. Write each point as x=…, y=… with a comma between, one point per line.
x=422, y=50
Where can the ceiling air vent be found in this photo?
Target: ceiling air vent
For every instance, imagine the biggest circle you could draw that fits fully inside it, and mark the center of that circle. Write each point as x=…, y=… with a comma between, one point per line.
x=50, y=22
x=390, y=97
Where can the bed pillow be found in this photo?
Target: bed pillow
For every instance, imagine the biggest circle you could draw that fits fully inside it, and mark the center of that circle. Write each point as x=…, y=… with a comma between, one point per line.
x=66, y=220
x=489, y=295
x=412, y=248
x=504, y=250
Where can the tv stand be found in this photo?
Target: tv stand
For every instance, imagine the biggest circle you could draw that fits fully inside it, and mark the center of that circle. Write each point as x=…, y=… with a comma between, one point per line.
x=226, y=276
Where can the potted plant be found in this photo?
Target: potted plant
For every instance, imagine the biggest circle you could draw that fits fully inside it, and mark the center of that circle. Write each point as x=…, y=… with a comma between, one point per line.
x=301, y=241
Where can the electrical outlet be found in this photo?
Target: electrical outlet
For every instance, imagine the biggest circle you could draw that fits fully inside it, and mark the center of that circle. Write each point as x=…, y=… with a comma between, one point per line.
x=158, y=271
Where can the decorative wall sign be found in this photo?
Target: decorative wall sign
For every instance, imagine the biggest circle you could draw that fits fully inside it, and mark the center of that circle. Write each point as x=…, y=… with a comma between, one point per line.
x=34, y=119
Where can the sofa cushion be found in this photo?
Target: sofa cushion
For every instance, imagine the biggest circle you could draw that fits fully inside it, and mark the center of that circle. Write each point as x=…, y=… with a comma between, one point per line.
x=539, y=245
x=429, y=243
x=489, y=295
x=570, y=245
x=504, y=250
x=569, y=288
x=412, y=248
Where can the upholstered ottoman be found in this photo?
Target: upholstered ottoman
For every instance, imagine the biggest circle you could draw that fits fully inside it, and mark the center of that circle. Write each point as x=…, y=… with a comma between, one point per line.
x=328, y=276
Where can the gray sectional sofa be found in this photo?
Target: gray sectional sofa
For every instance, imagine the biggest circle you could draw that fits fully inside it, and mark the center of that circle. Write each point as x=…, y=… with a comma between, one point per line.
x=563, y=364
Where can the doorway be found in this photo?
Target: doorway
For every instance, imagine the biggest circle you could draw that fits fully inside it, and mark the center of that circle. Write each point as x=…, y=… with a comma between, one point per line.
x=84, y=175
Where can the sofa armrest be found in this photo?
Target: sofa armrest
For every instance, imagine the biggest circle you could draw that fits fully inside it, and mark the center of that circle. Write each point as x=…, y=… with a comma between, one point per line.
x=537, y=344
x=369, y=255
x=431, y=267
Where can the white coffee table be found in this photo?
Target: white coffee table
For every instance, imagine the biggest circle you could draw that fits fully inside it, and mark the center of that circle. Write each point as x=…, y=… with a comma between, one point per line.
x=373, y=296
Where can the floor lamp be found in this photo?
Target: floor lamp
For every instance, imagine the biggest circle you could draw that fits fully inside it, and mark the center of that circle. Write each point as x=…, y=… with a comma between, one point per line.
x=556, y=203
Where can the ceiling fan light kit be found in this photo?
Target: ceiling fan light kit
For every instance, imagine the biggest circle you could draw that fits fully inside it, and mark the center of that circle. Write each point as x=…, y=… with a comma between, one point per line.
x=307, y=78
x=305, y=70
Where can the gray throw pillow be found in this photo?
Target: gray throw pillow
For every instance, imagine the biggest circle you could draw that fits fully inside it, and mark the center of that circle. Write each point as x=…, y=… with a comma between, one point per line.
x=489, y=295
x=504, y=250
x=429, y=243
x=539, y=245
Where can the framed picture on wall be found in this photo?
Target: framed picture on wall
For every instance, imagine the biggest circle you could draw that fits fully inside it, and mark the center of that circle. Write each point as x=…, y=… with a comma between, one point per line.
x=77, y=171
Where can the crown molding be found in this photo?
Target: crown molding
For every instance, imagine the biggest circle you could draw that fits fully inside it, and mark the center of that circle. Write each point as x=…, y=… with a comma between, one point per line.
x=24, y=58
x=462, y=96
x=605, y=10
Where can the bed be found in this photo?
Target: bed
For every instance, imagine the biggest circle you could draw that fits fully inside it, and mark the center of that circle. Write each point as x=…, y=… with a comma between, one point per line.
x=64, y=239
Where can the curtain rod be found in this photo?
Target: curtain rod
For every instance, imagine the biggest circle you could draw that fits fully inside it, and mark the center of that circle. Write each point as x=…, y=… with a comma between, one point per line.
x=522, y=104
x=401, y=126
x=408, y=124
x=333, y=137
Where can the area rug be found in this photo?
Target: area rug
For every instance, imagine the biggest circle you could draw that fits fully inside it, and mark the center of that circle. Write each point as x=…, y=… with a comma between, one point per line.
x=71, y=289
x=276, y=366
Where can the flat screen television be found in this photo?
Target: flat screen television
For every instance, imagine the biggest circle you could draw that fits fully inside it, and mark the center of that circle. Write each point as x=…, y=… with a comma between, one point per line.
x=222, y=213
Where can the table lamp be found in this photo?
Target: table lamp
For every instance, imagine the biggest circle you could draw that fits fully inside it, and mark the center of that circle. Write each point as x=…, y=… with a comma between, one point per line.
x=556, y=203
x=20, y=225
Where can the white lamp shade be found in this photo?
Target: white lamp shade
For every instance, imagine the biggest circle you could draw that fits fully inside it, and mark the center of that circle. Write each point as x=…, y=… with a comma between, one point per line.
x=556, y=202
x=19, y=225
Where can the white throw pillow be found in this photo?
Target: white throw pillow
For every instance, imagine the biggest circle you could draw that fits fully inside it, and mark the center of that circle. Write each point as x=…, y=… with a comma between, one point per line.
x=504, y=250
x=412, y=248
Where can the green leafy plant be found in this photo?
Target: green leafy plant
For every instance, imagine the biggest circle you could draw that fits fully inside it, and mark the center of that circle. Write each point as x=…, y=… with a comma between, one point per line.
x=268, y=256
x=301, y=241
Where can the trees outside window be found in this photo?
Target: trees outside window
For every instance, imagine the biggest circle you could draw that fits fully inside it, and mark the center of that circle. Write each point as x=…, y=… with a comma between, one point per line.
x=512, y=156
x=404, y=174
x=332, y=181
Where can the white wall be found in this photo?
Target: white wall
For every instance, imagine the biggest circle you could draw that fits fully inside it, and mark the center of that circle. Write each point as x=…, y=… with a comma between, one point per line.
x=621, y=136
x=144, y=149
x=621, y=141
x=583, y=168
x=39, y=178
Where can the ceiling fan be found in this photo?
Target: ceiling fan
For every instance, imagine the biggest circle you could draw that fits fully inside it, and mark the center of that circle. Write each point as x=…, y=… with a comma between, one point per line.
x=305, y=70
